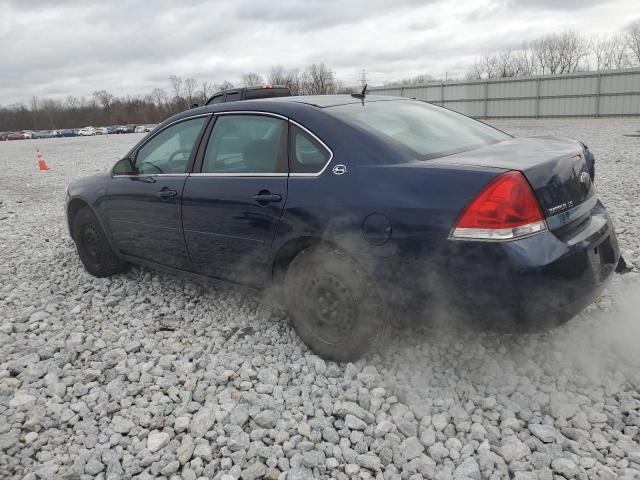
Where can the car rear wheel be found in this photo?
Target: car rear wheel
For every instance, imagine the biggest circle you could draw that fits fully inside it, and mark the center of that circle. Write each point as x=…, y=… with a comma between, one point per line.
x=332, y=304
x=93, y=248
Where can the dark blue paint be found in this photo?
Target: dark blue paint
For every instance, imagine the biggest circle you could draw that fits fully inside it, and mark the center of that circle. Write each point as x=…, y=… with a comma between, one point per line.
x=144, y=223
x=214, y=226
x=229, y=235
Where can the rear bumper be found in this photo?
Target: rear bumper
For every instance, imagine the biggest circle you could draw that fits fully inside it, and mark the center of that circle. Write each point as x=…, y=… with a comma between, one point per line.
x=530, y=284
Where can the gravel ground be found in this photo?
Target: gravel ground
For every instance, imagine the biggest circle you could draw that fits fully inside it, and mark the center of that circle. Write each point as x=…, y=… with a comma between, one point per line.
x=149, y=375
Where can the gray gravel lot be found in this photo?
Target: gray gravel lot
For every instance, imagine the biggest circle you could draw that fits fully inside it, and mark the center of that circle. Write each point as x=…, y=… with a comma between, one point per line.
x=149, y=375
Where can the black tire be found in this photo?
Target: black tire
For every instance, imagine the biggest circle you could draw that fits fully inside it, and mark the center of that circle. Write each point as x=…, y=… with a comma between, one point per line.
x=332, y=304
x=93, y=248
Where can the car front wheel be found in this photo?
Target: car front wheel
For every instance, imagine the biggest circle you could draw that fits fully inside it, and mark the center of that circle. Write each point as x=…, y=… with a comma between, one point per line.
x=94, y=250
x=332, y=304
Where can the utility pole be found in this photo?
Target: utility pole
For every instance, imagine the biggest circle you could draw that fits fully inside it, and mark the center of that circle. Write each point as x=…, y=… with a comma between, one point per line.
x=363, y=78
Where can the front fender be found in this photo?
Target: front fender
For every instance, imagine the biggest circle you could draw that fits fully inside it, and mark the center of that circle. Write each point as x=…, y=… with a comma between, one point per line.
x=91, y=192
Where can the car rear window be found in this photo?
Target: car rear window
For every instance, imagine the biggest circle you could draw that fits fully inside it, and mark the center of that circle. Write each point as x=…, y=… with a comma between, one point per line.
x=246, y=144
x=306, y=154
x=427, y=130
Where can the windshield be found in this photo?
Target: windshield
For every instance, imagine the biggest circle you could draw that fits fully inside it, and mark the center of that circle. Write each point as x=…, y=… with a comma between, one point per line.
x=429, y=131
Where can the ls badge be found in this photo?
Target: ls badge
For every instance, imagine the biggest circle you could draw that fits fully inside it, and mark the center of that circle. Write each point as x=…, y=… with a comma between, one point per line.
x=340, y=169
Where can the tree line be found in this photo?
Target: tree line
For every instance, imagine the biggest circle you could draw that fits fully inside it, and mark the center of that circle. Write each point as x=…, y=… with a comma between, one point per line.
x=565, y=52
x=103, y=108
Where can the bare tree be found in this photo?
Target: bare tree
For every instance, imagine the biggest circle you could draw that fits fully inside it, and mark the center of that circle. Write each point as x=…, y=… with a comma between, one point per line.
x=176, y=84
x=73, y=102
x=104, y=98
x=421, y=79
x=159, y=96
x=205, y=91
x=277, y=75
x=599, y=47
x=226, y=85
x=476, y=71
x=290, y=78
x=251, y=78
x=34, y=111
x=526, y=60
x=632, y=36
x=618, y=53
x=491, y=66
x=572, y=49
x=190, y=86
x=317, y=79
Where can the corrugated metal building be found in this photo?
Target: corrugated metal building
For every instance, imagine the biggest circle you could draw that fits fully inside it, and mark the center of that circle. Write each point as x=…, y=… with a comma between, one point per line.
x=584, y=94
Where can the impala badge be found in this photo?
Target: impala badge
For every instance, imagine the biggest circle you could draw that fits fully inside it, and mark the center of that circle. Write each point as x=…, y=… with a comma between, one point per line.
x=339, y=169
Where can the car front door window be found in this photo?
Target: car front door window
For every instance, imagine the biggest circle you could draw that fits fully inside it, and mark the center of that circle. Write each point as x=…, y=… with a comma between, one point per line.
x=169, y=151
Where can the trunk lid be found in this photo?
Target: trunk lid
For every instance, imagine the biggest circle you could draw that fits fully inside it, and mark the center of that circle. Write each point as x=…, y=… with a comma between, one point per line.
x=555, y=167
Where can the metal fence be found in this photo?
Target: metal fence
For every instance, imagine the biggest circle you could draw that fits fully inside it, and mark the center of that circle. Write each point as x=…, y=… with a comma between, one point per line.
x=585, y=94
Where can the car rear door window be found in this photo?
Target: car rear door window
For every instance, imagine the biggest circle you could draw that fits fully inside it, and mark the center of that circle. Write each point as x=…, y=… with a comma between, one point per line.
x=232, y=96
x=246, y=144
x=306, y=153
x=168, y=152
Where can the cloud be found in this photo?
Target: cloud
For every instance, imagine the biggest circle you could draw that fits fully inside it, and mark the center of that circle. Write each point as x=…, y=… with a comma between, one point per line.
x=560, y=5
x=56, y=49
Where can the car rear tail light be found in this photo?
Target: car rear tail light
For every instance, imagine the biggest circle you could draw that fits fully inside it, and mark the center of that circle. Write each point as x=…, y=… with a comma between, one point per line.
x=265, y=87
x=503, y=210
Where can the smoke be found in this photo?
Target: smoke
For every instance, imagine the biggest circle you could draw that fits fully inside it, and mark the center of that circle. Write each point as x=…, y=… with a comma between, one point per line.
x=610, y=341
x=435, y=356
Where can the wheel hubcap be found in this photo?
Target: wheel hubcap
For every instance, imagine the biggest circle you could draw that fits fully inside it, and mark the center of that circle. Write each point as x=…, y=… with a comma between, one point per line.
x=91, y=241
x=330, y=308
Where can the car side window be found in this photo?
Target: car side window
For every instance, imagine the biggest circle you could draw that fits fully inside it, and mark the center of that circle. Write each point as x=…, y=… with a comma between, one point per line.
x=306, y=153
x=217, y=99
x=241, y=144
x=169, y=150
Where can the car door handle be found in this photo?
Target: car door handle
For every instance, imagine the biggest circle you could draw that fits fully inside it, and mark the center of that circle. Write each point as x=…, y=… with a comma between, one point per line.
x=265, y=197
x=166, y=193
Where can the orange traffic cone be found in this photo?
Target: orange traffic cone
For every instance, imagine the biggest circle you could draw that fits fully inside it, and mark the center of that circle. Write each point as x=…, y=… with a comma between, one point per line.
x=42, y=165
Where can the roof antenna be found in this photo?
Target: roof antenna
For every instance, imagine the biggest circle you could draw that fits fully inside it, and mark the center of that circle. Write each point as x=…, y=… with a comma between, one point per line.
x=361, y=95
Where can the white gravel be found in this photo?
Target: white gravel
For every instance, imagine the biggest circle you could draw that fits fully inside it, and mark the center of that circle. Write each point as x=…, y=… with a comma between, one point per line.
x=149, y=375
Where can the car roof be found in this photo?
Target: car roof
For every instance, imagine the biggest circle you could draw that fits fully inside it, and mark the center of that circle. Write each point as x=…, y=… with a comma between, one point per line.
x=324, y=101
x=280, y=105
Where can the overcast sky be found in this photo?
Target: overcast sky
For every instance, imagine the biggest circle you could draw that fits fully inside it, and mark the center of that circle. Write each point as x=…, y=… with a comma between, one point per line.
x=61, y=47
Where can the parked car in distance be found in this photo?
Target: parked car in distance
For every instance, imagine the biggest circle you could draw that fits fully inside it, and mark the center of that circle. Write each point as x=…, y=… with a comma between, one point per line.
x=43, y=134
x=346, y=204
x=67, y=132
x=140, y=129
x=87, y=131
x=4, y=135
x=18, y=136
x=249, y=93
x=125, y=128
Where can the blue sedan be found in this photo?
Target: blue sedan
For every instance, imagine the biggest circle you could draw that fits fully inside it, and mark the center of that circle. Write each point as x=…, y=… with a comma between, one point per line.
x=349, y=204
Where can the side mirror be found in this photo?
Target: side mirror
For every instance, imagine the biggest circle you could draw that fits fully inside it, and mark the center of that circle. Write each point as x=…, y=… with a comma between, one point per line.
x=124, y=167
